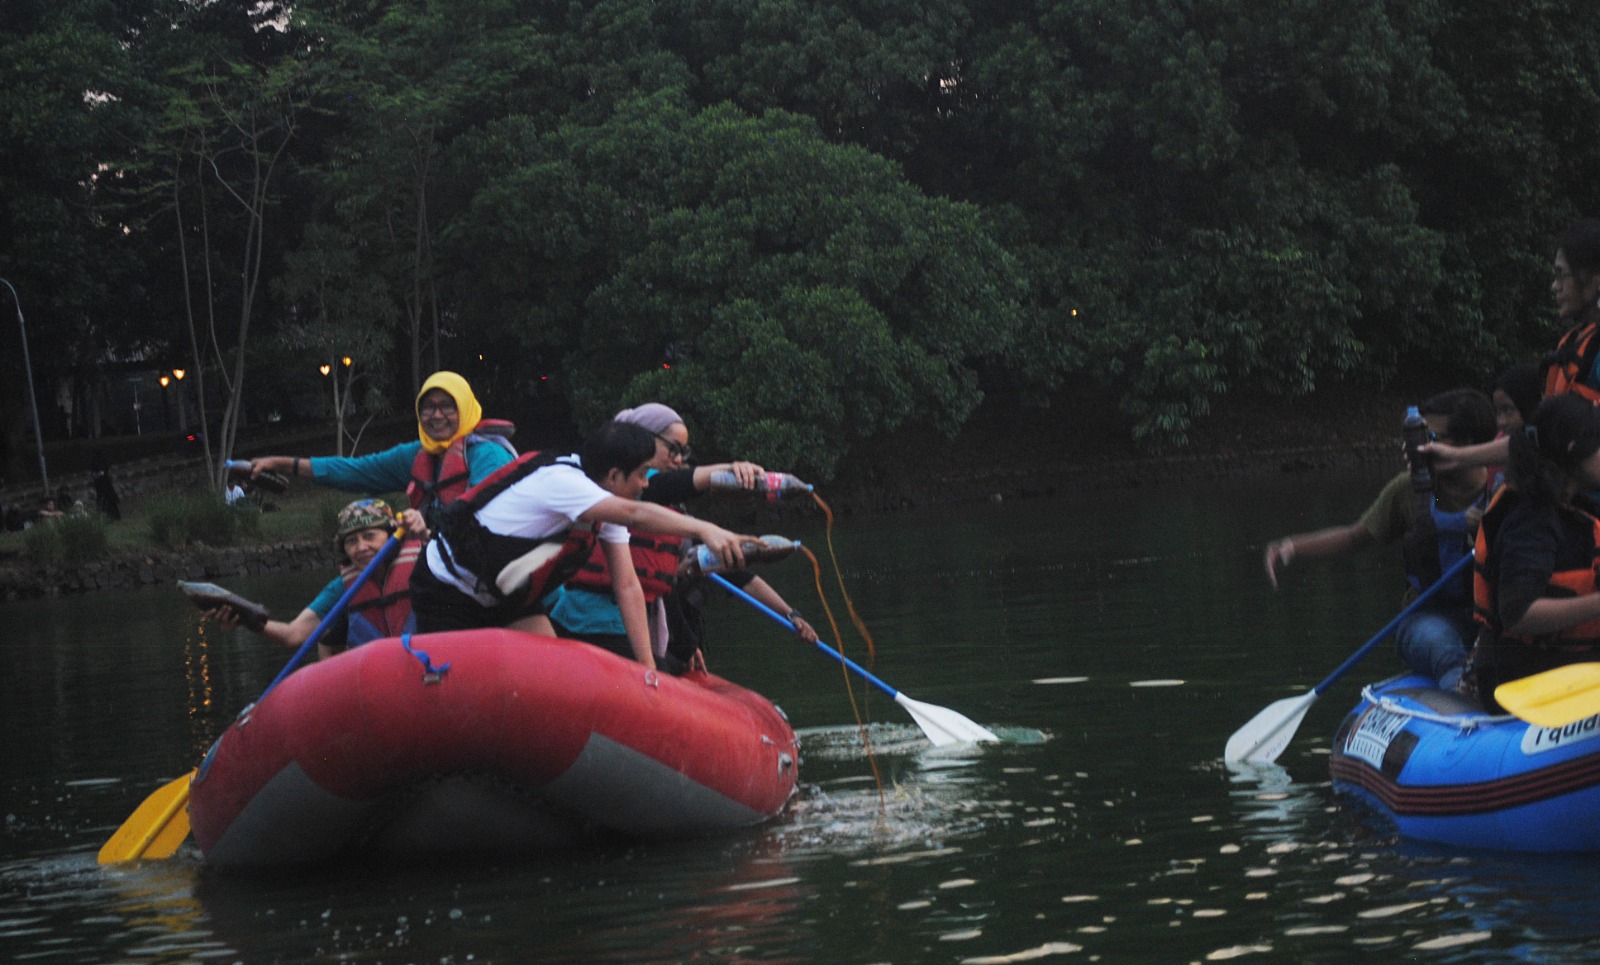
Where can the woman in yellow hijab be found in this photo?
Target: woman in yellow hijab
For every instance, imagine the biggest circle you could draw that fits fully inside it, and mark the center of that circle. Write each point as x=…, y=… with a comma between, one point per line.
x=456, y=449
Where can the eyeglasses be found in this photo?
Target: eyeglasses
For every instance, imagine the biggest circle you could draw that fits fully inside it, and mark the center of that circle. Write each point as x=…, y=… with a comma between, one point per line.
x=676, y=449
x=430, y=408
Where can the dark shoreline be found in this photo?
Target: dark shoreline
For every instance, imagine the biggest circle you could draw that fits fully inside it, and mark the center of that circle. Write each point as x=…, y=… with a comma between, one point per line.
x=995, y=458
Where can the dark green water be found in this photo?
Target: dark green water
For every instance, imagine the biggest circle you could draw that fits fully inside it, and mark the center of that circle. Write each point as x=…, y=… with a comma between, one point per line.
x=1117, y=641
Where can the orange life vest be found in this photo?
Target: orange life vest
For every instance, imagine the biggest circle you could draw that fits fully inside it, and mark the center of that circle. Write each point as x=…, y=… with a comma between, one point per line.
x=1571, y=363
x=382, y=606
x=1562, y=583
x=441, y=480
x=655, y=559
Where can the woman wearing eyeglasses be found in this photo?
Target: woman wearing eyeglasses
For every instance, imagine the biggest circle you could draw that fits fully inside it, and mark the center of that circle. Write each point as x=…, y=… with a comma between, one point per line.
x=584, y=608
x=1575, y=364
x=456, y=449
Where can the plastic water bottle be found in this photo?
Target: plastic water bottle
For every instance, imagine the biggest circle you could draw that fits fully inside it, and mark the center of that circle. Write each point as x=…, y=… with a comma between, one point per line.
x=702, y=560
x=272, y=482
x=773, y=485
x=1415, y=430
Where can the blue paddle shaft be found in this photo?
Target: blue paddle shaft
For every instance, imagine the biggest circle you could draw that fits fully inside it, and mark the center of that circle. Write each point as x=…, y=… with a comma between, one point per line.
x=1390, y=627
x=783, y=621
x=333, y=614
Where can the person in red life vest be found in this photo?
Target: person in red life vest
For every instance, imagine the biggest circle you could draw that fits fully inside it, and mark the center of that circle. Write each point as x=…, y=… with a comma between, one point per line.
x=456, y=448
x=584, y=609
x=382, y=605
x=1574, y=366
x=502, y=547
x=1535, y=588
x=1435, y=528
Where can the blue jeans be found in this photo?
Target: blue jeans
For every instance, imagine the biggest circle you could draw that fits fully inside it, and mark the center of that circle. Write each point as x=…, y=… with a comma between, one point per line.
x=1434, y=644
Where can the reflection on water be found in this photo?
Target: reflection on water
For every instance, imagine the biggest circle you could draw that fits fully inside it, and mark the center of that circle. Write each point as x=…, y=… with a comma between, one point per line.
x=1113, y=643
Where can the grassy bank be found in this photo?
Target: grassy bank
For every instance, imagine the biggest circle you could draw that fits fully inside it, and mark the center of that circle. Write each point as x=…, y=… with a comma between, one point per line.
x=176, y=518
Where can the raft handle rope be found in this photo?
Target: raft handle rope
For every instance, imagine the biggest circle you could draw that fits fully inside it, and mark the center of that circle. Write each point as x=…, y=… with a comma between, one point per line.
x=1465, y=723
x=430, y=673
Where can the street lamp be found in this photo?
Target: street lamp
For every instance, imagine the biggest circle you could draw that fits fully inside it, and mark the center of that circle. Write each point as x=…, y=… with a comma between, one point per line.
x=33, y=402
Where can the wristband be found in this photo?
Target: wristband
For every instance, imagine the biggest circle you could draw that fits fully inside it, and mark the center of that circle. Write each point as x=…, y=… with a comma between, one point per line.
x=297, y=462
x=794, y=615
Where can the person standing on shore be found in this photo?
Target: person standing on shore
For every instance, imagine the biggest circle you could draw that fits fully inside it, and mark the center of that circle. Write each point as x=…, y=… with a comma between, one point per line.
x=456, y=449
x=1436, y=529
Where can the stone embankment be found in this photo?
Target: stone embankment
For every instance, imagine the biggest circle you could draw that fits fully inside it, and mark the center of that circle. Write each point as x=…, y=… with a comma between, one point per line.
x=20, y=579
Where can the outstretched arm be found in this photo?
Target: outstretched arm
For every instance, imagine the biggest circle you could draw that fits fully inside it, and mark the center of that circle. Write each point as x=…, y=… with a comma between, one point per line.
x=763, y=591
x=654, y=519
x=1333, y=541
x=1445, y=457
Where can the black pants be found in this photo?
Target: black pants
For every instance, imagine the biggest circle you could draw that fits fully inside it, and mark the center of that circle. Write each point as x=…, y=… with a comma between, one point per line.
x=440, y=606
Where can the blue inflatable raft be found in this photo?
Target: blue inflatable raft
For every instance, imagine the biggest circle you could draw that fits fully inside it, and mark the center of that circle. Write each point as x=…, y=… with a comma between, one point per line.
x=1442, y=770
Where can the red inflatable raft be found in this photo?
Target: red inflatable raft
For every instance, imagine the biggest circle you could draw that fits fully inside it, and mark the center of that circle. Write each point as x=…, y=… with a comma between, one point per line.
x=493, y=742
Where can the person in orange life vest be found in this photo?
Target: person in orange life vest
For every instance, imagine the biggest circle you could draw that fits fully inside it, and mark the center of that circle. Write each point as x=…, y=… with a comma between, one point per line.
x=584, y=609
x=1575, y=364
x=380, y=608
x=1515, y=395
x=454, y=450
x=1435, y=529
x=502, y=547
x=1535, y=589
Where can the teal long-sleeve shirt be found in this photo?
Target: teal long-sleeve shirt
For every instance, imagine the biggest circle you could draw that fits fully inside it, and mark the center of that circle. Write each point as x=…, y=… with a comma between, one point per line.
x=390, y=470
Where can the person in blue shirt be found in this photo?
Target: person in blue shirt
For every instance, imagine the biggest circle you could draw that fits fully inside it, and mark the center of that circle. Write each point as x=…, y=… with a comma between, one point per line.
x=456, y=449
x=381, y=606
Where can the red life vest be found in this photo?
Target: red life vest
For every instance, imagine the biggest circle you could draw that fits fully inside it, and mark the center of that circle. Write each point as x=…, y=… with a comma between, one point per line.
x=1562, y=583
x=441, y=480
x=505, y=566
x=382, y=606
x=1572, y=361
x=655, y=559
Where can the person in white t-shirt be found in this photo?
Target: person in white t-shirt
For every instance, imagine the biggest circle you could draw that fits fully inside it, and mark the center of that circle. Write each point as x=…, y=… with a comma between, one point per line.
x=526, y=529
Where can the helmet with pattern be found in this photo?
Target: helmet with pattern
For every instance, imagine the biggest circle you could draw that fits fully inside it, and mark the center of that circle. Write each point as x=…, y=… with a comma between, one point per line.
x=359, y=515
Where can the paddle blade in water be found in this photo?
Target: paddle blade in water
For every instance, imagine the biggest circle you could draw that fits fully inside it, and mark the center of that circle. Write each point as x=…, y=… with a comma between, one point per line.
x=1554, y=698
x=1269, y=732
x=943, y=725
x=154, y=830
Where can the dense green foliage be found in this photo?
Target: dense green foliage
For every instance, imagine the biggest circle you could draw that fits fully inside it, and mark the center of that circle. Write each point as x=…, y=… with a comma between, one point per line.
x=807, y=225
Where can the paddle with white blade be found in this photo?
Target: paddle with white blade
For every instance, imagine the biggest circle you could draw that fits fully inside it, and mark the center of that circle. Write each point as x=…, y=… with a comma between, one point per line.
x=1269, y=732
x=942, y=725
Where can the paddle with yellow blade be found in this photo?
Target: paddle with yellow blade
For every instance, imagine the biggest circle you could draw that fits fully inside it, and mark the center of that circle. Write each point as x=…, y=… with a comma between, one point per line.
x=1554, y=698
x=161, y=823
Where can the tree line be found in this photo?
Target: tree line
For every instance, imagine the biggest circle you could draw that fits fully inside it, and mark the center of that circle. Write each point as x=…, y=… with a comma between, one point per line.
x=807, y=224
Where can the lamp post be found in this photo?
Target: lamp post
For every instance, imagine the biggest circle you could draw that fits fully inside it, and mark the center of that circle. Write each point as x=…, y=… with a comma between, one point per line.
x=183, y=408
x=33, y=401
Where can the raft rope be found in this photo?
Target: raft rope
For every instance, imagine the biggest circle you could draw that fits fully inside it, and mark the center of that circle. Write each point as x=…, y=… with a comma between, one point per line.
x=861, y=627
x=1464, y=723
x=430, y=673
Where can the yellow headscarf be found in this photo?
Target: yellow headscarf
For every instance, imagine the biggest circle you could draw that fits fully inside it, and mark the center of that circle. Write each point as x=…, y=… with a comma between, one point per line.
x=466, y=406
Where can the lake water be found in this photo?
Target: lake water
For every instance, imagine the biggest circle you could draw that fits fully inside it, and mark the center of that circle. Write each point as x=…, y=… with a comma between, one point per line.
x=1116, y=641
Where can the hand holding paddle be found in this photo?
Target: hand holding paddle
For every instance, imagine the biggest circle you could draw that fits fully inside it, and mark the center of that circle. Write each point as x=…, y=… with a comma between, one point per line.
x=1268, y=733
x=162, y=822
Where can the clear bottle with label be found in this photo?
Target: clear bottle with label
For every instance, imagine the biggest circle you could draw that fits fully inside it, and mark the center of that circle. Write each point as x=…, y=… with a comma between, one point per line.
x=701, y=560
x=272, y=482
x=1415, y=430
x=773, y=485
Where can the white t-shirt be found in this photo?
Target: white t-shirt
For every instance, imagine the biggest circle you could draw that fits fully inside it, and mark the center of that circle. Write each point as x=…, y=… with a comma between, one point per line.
x=543, y=503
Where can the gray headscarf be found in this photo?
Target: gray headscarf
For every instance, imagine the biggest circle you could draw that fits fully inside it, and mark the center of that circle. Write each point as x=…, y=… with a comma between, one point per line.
x=652, y=415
